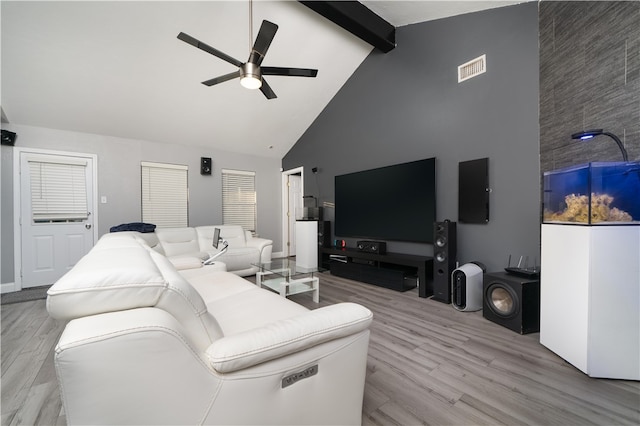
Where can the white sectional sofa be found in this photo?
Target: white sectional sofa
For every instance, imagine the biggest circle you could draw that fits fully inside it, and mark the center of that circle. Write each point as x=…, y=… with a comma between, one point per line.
x=181, y=245
x=146, y=344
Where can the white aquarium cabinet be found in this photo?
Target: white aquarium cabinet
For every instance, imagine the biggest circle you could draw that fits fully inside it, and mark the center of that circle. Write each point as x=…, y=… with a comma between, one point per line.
x=590, y=297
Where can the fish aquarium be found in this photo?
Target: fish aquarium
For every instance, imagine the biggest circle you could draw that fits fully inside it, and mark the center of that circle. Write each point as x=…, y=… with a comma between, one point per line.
x=602, y=193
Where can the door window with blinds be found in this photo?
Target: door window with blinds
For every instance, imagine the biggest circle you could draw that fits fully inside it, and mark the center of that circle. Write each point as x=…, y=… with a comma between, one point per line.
x=165, y=194
x=58, y=190
x=239, y=199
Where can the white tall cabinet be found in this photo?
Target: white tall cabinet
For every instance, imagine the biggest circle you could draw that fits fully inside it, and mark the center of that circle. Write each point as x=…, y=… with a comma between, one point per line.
x=307, y=243
x=590, y=297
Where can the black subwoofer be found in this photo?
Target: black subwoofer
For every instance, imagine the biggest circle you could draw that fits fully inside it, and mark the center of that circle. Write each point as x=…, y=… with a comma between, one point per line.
x=512, y=301
x=444, y=259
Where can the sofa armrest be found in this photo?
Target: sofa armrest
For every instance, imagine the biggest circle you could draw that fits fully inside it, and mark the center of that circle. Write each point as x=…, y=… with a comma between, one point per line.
x=281, y=338
x=264, y=246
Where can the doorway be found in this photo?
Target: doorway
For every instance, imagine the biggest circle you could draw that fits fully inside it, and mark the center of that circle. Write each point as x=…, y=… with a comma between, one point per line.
x=55, y=199
x=292, y=188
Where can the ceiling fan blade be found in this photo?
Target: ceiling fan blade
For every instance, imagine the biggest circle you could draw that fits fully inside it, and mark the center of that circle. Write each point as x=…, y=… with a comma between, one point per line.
x=203, y=46
x=263, y=41
x=291, y=72
x=267, y=91
x=222, y=78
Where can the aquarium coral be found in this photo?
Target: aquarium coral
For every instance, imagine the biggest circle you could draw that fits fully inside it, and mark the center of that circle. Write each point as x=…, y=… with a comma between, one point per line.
x=577, y=210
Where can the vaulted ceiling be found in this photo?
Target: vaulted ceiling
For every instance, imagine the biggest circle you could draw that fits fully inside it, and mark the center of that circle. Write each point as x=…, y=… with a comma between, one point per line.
x=117, y=68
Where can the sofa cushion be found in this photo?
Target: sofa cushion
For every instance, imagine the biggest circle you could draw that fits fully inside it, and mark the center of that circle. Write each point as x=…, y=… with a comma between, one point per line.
x=178, y=241
x=291, y=335
x=184, y=302
x=215, y=285
x=233, y=234
x=254, y=307
x=240, y=258
x=105, y=280
x=120, y=274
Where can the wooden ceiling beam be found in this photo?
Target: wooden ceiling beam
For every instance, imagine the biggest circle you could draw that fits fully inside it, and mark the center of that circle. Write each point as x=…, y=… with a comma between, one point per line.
x=356, y=18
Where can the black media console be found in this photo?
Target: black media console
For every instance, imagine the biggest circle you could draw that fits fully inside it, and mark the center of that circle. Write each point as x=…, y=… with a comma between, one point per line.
x=391, y=270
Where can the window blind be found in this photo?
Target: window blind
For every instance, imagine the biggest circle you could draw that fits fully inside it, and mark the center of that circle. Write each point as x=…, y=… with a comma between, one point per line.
x=165, y=194
x=239, y=199
x=58, y=191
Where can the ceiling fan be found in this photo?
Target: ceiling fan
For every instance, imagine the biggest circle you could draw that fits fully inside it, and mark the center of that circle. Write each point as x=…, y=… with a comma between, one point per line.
x=251, y=73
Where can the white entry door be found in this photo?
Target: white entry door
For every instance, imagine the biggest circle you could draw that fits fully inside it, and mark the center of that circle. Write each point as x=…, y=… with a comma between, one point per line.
x=56, y=221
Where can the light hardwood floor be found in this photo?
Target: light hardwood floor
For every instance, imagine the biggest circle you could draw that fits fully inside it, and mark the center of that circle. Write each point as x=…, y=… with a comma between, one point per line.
x=428, y=364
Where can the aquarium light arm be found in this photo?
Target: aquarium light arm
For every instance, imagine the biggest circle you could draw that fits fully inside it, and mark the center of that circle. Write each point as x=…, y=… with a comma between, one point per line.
x=588, y=134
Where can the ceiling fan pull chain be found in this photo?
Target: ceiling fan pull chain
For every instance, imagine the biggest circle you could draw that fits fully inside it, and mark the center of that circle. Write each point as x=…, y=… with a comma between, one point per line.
x=250, y=25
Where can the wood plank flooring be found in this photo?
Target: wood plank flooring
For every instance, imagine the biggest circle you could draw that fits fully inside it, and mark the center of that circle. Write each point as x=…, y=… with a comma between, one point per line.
x=30, y=394
x=428, y=364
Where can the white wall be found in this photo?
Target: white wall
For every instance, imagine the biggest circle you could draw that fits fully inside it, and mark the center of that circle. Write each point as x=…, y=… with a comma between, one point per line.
x=119, y=180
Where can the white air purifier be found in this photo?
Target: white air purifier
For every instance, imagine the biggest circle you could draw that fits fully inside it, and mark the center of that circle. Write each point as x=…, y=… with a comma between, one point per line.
x=466, y=287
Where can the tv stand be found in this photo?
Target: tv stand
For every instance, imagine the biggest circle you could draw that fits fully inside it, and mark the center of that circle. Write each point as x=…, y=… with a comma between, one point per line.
x=390, y=270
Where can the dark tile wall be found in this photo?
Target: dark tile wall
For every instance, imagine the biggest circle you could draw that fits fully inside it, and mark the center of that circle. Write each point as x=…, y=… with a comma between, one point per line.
x=589, y=78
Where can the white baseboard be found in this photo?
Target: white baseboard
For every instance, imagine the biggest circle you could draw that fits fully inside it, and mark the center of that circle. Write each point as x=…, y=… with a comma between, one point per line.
x=8, y=288
x=277, y=255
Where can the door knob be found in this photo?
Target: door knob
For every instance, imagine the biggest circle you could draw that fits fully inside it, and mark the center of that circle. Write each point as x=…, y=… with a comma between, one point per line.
x=87, y=225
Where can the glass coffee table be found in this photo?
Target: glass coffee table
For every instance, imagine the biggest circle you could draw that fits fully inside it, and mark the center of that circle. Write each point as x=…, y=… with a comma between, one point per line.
x=286, y=278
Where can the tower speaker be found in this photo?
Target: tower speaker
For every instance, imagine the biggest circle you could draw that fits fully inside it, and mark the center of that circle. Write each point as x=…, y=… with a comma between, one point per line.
x=324, y=233
x=466, y=287
x=324, y=240
x=512, y=301
x=444, y=259
x=205, y=165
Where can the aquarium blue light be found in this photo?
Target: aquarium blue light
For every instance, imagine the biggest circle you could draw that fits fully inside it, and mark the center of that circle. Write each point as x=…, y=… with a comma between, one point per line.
x=588, y=134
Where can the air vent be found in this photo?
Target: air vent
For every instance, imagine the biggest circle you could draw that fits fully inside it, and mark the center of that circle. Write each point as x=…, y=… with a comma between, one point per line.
x=472, y=68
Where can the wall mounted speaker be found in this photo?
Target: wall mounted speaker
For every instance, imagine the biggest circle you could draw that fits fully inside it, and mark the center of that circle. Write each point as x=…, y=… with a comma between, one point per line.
x=205, y=165
x=444, y=259
x=512, y=301
x=8, y=138
x=466, y=287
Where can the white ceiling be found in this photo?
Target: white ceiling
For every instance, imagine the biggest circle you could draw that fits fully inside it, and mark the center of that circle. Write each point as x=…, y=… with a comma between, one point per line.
x=117, y=69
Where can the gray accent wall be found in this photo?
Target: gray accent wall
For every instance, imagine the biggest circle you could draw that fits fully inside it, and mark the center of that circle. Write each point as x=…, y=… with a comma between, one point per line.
x=408, y=105
x=589, y=78
x=119, y=180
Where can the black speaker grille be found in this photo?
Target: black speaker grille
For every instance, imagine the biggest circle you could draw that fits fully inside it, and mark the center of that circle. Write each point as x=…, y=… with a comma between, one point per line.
x=444, y=259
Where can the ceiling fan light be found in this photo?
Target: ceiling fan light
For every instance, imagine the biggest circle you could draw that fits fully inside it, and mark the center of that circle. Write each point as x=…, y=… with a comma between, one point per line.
x=250, y=82
x=250, y=76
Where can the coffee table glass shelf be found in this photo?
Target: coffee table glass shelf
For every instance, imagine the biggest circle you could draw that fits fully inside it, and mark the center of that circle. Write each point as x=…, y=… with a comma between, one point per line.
x=285, y=277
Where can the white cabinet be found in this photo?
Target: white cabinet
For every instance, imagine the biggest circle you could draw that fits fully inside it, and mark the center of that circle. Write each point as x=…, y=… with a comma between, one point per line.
x=590, y=297
x=307, y=243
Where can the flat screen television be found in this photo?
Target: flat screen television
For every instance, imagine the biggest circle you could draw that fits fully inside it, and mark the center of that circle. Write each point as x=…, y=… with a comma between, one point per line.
x=396, y=203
